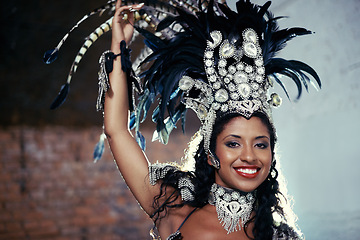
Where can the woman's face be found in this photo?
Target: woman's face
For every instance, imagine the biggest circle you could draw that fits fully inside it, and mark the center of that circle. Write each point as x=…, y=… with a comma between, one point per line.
x=244, y=151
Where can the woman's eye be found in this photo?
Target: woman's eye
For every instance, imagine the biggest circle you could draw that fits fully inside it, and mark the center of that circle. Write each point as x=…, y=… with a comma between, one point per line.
x=262, y=145
x=232, y=144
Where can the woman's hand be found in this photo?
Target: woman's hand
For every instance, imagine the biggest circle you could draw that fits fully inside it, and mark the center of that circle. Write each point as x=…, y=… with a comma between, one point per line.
x=122, y=24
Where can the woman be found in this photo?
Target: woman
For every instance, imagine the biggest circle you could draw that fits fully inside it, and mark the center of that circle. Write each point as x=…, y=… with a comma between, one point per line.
x=232, y=191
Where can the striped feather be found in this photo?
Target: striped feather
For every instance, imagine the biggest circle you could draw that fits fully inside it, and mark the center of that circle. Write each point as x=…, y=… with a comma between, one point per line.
x=51, y=55
x=103, y=28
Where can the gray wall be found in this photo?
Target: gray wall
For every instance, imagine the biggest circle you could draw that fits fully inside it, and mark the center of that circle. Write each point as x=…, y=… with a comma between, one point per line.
x=319, y=136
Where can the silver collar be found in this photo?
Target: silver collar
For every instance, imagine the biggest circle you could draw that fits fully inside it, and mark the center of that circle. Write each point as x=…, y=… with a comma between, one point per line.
x=233, y=207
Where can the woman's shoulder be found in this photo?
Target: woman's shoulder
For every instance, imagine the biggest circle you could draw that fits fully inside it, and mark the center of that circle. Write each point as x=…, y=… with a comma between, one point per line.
x=285, y=232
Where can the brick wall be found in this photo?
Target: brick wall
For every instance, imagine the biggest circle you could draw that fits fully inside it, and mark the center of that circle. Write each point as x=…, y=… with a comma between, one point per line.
x=51, y=189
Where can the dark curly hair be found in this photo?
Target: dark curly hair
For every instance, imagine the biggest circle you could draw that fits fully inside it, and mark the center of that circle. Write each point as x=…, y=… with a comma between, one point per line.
x=267, y=194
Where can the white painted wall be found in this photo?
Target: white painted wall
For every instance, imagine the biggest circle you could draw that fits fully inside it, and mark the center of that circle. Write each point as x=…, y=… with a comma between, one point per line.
x=319, y=136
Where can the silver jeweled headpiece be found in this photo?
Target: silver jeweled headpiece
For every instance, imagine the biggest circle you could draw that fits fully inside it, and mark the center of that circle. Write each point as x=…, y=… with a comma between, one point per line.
x=233, y=86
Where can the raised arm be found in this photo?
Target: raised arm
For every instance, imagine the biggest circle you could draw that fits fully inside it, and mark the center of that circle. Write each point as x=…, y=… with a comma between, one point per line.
x=129, y=158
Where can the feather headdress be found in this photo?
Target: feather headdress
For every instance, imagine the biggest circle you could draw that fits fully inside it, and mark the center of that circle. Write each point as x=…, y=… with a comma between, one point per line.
x=220, y=61
x=203, y=56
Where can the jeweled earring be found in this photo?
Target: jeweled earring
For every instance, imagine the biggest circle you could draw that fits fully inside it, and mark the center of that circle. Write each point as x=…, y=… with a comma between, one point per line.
x=214, y=160
x=273, y=172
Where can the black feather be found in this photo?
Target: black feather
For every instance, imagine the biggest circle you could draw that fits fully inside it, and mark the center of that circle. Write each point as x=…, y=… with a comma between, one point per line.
x=51, y=55
x=183, y=53
x=61, y=97
x=165, y=23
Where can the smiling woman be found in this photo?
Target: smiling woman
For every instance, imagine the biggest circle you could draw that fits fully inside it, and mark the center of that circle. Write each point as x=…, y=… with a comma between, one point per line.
x=221, y=64
x=242, y=186
x=223, y=72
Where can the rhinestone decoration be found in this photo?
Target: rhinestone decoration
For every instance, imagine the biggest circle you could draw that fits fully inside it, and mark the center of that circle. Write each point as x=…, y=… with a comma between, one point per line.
x=222, y=63
x=234, y=96
x=232, y=87
x=250, y=35
x=186, y=83
x=222, y=71
x=224, y=108
x=260, y=70
x=240, y=66
x=208, y=63
x=250, y=50
x=209, y=54
x=258, y=62
x=187, y=189
x=212, y=78
x=248, y=69
x=255, y=86
x=210, y=71
x=227, y=50
x=259, y=78
x=216, y=37
x=240, y=77
x=217, y=85
x=221, y=95
x=158, y=171
x=232, y=69
x=275, y=100
x=245, y=90
x=202, y=112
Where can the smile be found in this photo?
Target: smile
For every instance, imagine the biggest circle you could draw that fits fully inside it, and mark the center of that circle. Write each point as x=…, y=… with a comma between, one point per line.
x=247, y=172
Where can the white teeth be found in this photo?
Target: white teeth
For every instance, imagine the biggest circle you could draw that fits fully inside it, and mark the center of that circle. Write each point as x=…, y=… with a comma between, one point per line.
x=247, y=170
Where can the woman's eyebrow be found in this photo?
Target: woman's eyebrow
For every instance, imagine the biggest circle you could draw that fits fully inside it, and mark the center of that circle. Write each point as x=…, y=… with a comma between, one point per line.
x=259, y=137
x=232, y=135
x=237, y=136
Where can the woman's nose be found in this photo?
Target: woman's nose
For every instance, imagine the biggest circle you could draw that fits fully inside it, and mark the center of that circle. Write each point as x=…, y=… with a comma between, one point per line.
x=247, y=154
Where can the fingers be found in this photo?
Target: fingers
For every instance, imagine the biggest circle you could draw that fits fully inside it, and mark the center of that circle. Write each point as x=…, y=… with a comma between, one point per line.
x=134, y=7
x=123, y=21
x=124, y=12
x=117, y=5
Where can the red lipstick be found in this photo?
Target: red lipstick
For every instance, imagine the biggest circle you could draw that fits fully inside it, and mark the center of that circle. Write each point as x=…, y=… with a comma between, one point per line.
x=247, y=171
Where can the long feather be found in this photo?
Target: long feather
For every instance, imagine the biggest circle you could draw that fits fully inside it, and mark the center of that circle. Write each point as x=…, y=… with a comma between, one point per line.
x=61, y=97
x=103, y=28
x=51, y=55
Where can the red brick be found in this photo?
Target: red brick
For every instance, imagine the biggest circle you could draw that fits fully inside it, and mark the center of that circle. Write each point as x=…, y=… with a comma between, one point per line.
x=78, y=221
x=13, y=226
x=5, y=216
x=83, y=211
x=9, y=197
x=47, y=224
x=43, y=232
x=32, y=215
x=30, y=225
x=4, y=177
x=70, y=231
x=13, y=236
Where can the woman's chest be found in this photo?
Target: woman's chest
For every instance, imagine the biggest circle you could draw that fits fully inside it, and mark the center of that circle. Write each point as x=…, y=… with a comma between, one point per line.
x=204, y=224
